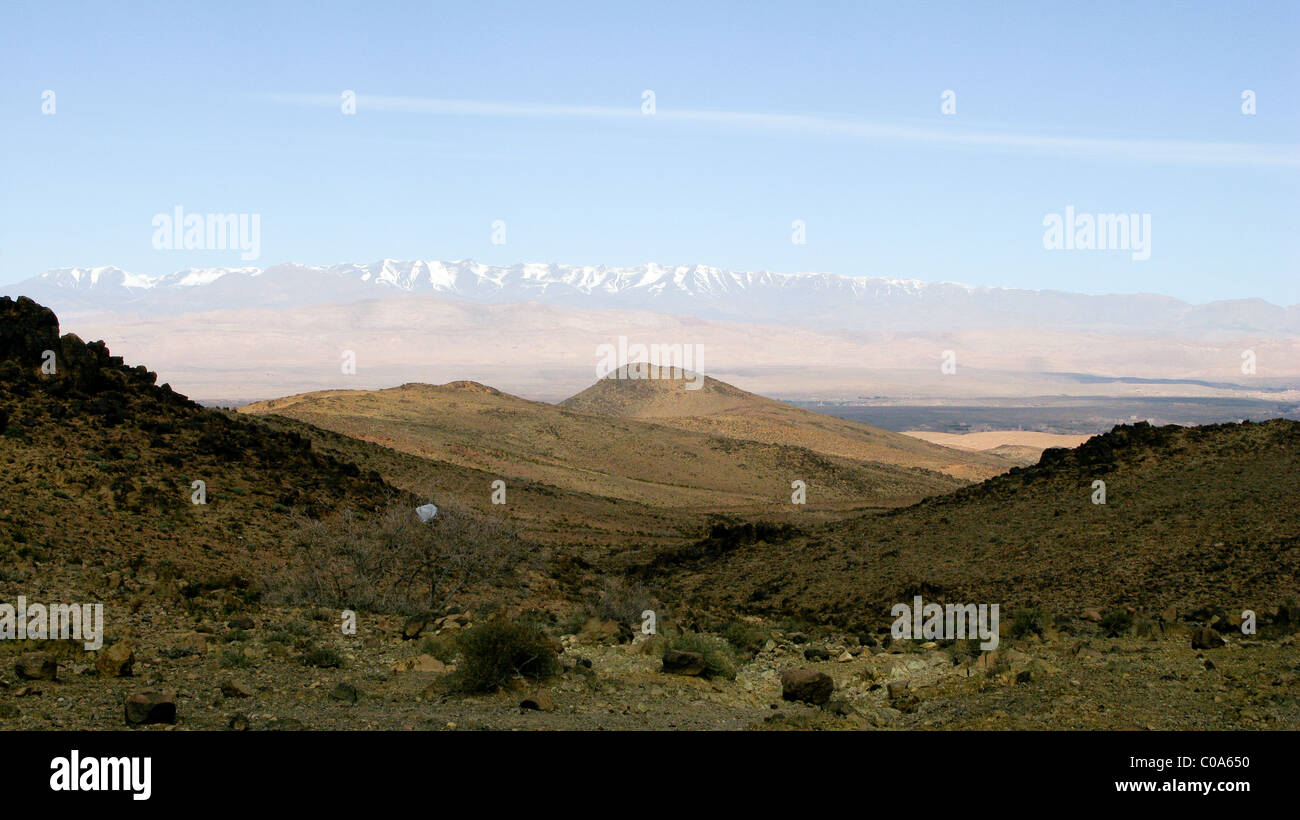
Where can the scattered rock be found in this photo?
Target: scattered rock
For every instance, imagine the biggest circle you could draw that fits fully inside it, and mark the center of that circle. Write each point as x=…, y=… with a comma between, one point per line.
x=806, y=686
x=116, y=661
x=816, y=653
x=683, y=663
x=901, y=696
x=151, y=707
x=36, y=666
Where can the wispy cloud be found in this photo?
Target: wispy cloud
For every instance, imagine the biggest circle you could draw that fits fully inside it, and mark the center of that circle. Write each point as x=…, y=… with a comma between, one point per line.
x=1138, y=149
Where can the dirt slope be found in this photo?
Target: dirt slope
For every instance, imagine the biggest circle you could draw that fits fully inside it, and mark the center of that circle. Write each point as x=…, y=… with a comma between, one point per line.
x=718, y=408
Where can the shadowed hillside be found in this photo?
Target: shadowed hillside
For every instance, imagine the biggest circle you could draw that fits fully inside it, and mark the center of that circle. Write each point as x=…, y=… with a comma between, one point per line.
x=1195, y=518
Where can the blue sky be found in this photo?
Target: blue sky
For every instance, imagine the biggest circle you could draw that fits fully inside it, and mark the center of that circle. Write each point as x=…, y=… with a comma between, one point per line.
x=766, y=113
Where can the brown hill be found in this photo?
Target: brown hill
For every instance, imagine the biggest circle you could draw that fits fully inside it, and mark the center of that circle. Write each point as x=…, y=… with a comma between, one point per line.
x=717, y=408
x=1199, y=518
x=634, y=460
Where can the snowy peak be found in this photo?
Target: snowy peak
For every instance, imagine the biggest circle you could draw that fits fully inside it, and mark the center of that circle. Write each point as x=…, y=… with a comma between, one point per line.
x=101, y=278
x=812, y=300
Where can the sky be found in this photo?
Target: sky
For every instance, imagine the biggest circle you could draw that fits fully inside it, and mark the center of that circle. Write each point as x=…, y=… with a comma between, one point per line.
x=530, y=116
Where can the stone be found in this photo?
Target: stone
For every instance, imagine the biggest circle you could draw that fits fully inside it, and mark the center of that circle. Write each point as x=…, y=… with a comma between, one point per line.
x=420, y=663
x=1091, y=615
x=151, y=707
x=677, y=662
x=36, y=666
x=345, y=692
x=806, y=686
x=898, y=689
x=242, y=622
x=232, y=689
x=816, y=653
x=191, y=643
x=539, y=701
x=115, y=661
x=599, y=631
x=1206, y=638
x=238, y=723
x=414, y=627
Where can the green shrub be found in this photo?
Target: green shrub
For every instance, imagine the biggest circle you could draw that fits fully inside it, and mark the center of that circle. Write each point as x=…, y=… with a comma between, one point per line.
x=1026, y=621
x=323, y=657
x=745, y=638
x=719, y=659
x=1116, y=623
x=495, y=652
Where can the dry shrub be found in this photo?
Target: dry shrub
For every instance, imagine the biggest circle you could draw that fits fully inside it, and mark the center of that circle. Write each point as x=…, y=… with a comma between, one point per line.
x=392, y=562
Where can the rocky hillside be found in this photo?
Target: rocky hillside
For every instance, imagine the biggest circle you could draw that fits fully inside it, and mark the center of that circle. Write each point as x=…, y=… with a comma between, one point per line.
x=100, y=464
x=1197, y=519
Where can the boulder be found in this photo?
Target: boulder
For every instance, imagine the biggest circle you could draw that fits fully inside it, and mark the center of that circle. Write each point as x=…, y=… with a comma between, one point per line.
x=599, y=631
x=36, y=666
x=806, y=686
x=677, y=662
x=539, y=701
x=151, y=707
x=345, y=692
x=1206, y=638
x=420, y=663
x=233, y=689
x=115, y=661
x=414, y=627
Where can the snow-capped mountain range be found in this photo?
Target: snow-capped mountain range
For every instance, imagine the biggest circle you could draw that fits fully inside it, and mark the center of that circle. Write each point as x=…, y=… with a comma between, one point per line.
x=814, y=300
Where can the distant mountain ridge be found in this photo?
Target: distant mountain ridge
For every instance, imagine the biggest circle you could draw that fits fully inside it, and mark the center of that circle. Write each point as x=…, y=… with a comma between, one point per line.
x=813, y=300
